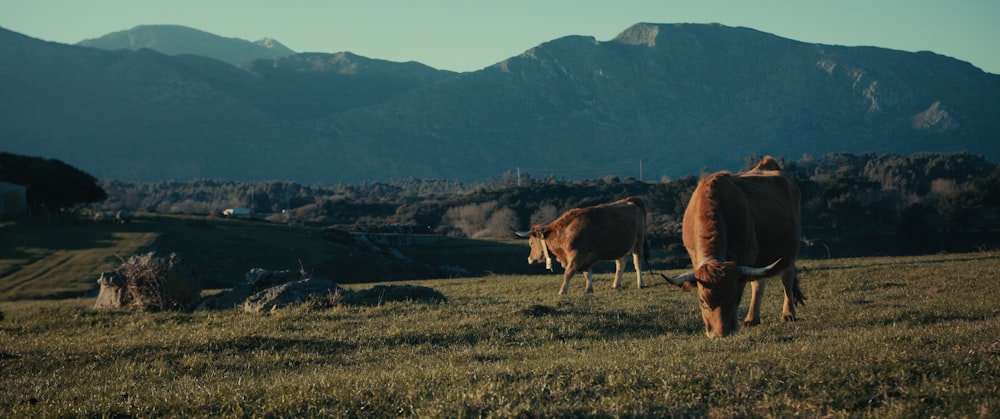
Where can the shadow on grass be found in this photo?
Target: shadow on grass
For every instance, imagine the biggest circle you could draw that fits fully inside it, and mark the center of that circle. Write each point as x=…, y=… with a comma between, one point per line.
x=33, y=240
x=612, y=324
x=903, y=263
x=920, y=318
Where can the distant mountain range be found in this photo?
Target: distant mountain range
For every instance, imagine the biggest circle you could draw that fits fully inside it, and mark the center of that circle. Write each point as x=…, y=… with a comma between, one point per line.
x=678, y=97
x=177, y=40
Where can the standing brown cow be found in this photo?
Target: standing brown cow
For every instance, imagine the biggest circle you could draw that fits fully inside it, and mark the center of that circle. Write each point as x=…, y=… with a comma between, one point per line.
x=584, y=236
x=733, y=225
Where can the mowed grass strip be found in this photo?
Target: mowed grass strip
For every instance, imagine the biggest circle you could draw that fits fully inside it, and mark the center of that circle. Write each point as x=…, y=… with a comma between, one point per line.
x=879, y=337
x=51, y=260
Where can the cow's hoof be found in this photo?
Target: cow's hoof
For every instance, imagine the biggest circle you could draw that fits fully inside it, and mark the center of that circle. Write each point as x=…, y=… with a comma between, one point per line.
x=751, y=323
x=589, y=291
x=788, y=318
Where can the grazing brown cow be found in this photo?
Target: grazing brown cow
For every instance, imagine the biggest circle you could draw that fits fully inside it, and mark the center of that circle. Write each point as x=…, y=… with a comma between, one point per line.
x=739, y=228
x=584, y=236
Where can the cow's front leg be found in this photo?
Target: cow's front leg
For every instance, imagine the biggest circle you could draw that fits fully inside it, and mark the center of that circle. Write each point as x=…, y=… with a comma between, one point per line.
x=619, y=271
x=565, y=285
x=590, y=282
x=638, y=271
x=756, y=294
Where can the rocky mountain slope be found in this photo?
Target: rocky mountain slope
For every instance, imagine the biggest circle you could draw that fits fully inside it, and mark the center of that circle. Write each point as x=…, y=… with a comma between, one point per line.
x=679, y=97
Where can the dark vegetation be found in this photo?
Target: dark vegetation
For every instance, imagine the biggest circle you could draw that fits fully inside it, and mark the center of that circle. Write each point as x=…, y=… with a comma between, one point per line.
x=852, y=205
x=51, y=184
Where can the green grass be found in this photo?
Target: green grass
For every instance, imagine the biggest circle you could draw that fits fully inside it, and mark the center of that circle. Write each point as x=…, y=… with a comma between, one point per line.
x=879, y=337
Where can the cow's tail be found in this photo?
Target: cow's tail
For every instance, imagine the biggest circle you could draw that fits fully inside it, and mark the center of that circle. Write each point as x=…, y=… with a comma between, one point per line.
x=800, y=299
x=649, y=265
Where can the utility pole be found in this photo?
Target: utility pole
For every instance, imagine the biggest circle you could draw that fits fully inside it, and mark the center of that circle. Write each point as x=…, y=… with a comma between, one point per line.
x=640, y=170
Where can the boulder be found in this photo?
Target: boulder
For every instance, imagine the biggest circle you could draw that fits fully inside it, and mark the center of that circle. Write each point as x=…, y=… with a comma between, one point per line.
x=112, y=293
x=227, y=300
x=291, y=294
x=260, y=279
x=265, y=291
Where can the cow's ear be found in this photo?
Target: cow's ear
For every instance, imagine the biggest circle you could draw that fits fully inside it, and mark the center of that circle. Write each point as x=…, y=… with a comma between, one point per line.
x=537, y=232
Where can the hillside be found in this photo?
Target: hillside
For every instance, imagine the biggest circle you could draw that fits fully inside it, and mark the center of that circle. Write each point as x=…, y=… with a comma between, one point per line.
x=679, y=97
x=178, y=40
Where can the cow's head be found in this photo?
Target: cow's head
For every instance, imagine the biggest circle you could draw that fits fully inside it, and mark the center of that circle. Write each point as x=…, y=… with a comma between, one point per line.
x=720, y=290
x=539, y=250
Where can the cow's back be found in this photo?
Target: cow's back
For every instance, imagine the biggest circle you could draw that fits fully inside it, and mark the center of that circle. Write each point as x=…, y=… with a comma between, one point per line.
x=605, y=232
x=773, y=205
x=750, y=218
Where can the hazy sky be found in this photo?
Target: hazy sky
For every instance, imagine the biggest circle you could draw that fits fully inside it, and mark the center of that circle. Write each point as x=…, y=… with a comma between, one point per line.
x=466, y=35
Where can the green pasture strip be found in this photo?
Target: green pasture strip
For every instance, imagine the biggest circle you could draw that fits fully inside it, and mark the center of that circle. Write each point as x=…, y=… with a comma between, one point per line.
x=44, y=261
x=222, y=250
x=878, y=337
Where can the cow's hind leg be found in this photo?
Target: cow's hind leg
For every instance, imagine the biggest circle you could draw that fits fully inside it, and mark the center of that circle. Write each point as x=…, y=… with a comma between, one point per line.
x=793, y=295
x=638, y=271
x=756, y=294
x=590, y=281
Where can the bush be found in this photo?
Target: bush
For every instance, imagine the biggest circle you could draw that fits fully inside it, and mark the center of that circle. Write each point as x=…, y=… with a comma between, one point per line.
x=150, y=282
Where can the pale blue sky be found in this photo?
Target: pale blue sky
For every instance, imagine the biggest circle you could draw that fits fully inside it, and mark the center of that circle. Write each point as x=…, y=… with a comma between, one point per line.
x=467, y=35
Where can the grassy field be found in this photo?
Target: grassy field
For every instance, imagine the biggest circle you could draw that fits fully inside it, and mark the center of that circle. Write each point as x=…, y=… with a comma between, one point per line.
x=879, y=337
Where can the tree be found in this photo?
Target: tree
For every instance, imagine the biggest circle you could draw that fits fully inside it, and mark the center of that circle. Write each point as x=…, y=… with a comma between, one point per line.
x=51, y=184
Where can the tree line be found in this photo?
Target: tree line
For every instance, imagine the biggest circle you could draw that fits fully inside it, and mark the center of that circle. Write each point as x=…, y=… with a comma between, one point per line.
x=918, y=199
x=843, y=194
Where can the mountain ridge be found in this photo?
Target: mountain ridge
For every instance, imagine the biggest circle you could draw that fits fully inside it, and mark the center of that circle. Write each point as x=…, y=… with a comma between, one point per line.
x=178, y=40
x=656, y=92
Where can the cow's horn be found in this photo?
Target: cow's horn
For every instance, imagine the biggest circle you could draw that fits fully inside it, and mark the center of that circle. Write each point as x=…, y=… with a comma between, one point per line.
x=751, y=271
x=680, y=279
x=521, y=234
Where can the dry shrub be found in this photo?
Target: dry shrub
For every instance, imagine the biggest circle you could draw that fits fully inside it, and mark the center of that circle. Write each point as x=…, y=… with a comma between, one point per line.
x=500, y=224
x=546, y=214
x=468, y=219
x=482, y=220
x=155, y=283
